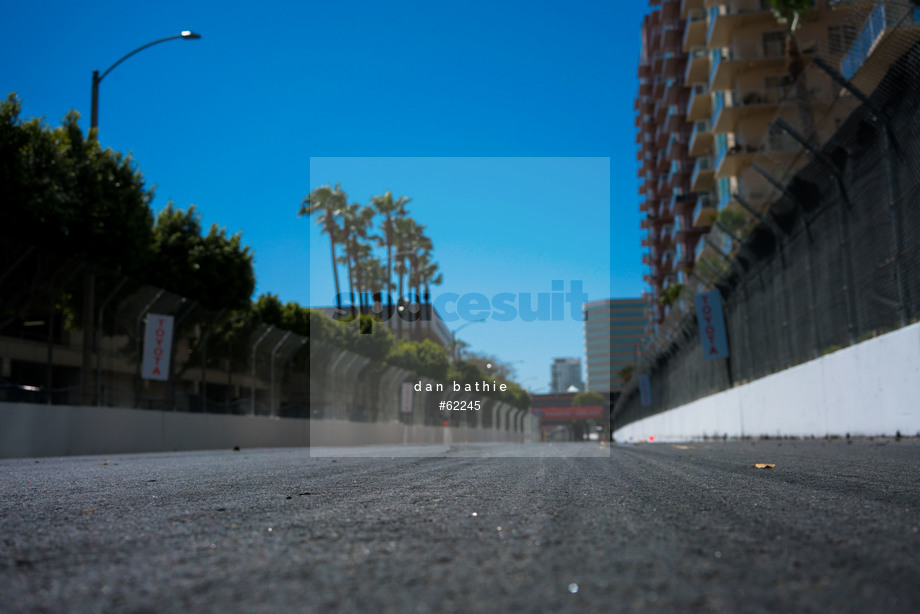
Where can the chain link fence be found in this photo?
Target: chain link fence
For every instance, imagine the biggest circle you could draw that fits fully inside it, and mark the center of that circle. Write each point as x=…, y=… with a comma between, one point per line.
x=819, y=247
x=222, y=362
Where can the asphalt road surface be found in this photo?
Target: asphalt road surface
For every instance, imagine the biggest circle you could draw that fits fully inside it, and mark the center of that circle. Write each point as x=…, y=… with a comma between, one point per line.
x=833, y=527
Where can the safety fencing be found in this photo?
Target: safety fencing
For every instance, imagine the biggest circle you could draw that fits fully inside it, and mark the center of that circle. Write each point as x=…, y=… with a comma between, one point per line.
x=819, y=246
x=154, y=350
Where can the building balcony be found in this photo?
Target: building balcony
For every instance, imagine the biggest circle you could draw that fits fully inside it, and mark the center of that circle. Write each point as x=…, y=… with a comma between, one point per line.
x=889, y=30
x=733, y=106
x=699, y=103
x=674, y=90
x=672, y=34
x=645, y=87
x=677, y=146
x=688, y=6
x=732, y=15
x=662, y=163
x=694, y=30
x=725, y=63
x=698, y=250
x=674, y=63
x=704, y=210
x=664, y=239
x=750, y=186
x=680, y=176
x=738, y=156
x=700, y=139
x=681, y=230
x=677, y=117
x=657, y=87
x=703, y=174
x=681, y=200
x=697, y=68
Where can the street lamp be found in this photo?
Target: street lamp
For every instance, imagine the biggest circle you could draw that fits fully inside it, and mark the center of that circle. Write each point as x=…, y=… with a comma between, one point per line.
x=89, y=278
x=94, y=109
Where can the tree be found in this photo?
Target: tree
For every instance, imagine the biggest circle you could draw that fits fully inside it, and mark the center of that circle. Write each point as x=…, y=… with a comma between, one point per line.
x=732, y=219
x=213, y=269
x=790, y=13
x=356, y=222
x=671, y=294
x=391, y=210
x=64, y=193
x=327, y=202
x=425, y=358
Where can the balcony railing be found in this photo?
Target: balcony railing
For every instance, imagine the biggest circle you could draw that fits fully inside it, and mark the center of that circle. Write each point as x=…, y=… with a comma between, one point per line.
x=738, y=7
x=699, y=250
x=703, y=163
x=880, y=18
x=698, y=128
x=746, y=52
x=700, y=89
x=703, y=201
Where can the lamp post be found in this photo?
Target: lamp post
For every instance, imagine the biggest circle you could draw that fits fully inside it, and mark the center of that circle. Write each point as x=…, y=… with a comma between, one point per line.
x=97, y=78
x=89, y=278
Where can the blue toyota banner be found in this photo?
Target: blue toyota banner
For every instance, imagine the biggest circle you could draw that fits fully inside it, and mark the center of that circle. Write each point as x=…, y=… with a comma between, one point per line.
x=712, y=325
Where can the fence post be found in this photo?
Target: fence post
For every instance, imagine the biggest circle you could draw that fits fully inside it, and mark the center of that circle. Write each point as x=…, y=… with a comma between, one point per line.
x=252, y=383
x=98, y=341
x=273, y=409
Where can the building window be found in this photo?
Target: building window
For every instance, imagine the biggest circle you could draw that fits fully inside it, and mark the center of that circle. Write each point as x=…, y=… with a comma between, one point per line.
x=774, y=44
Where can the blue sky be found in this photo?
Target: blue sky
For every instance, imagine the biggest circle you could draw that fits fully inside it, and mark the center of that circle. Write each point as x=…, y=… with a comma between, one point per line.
x=231, y=123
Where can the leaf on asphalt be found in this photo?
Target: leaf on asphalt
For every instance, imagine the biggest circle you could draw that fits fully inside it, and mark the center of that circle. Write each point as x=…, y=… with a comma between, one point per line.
x=765, y=465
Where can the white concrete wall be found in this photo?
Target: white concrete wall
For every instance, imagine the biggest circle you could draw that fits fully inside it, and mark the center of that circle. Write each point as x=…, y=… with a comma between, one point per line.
x=28, y=430
x=872, y=388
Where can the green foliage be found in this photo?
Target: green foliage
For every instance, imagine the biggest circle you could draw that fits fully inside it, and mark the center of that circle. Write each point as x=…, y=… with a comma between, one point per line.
x=213, y=269
x=671, y=294
x=626, y=373
x=64, y=193
x=732, y=219
x=790, y=12
x=425, y=358
x=365, y=335
x=588, y=398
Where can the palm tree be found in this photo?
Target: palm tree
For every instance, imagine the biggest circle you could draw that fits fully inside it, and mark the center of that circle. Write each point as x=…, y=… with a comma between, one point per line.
x=328, y=203
x=389, y=208
x=789, y=13
x=372, y=273
x=427, y=274
x=355, y=223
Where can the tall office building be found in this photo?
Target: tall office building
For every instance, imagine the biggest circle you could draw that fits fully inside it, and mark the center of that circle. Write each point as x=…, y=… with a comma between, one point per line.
x=712, y=76
x=565, y=373
x=614, y=334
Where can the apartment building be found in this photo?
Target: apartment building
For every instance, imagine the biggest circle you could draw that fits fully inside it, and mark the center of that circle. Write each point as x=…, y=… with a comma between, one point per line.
x=614, y=332
x=713, y=76
x=666, y=165
x=565, y=376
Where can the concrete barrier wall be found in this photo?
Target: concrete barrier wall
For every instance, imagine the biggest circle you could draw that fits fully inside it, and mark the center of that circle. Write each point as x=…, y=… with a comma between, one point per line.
x=872, y=388
x=28, y=430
